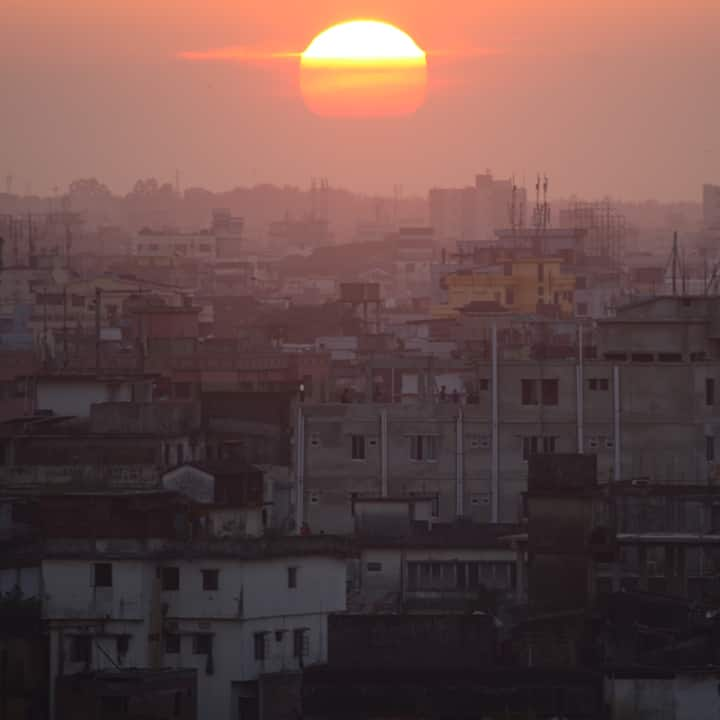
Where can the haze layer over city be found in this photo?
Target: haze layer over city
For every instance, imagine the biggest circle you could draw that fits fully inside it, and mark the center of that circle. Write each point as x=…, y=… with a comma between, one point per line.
x=359, y=360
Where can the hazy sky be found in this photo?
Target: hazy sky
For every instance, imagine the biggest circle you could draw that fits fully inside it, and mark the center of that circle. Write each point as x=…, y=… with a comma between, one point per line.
x=608, y=97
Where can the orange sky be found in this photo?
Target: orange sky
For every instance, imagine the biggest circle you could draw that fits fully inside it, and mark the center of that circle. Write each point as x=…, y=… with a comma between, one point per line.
x=606, y=96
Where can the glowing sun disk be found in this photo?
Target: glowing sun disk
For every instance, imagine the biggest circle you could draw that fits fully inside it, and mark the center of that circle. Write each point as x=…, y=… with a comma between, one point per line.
x=363, y=68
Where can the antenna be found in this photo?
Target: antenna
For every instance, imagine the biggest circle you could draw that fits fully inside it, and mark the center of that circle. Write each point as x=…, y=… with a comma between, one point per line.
x=313, y=198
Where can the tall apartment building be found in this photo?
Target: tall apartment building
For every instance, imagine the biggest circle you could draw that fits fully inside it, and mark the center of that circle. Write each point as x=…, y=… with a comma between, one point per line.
x=472, y=214
x=646, y=406
x=711, y=207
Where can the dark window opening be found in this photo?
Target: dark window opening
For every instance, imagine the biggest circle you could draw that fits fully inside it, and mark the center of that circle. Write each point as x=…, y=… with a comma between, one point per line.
x=259, y=642
x=358, y=447
x=529, y=392
x=202, y=644
x=301, y=643
x=709, y=391
x=550, y=392
x=210, y=579
x=103, y=575
x=642, y=357
x=292, y=577
x=710, y=448
x=670, y=357
x=172, y=644
x=374, y=567
x=170, y=578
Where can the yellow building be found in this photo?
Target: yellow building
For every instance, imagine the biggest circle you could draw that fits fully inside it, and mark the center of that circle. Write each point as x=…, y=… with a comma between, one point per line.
x=516, y=285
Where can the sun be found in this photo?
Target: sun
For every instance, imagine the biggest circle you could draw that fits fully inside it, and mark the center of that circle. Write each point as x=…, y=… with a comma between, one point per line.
x=363, y=68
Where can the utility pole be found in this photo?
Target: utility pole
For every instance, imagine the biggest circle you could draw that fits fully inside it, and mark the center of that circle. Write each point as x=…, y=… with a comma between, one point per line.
x=98, y=297
x=65, y=327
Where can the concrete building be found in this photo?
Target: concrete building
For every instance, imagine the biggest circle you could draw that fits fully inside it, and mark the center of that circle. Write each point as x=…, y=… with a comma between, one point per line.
x=646, y=407
x=472, y=214
x=199, y=246
x=235, y=612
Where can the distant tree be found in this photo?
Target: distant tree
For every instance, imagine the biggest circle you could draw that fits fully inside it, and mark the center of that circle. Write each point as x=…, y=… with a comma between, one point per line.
x=89, y=187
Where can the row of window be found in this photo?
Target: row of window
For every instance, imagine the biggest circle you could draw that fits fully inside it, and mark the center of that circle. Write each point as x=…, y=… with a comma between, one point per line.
x=262, y=640
x=170, y=577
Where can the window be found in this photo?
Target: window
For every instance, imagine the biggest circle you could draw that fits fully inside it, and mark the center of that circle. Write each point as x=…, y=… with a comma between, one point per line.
x=710, y=448
x=292, y=577
x=533, y=444
x=358, y=447
x=81, y=649
x=279, y=636
x=172, y=644
x=180, y=454
x=211, y=579
x=540, y=272
x=122, y=645
x=483, y=384
x=582, y=309
x=301, y=643
x=315, y=440
x=541, y=290
x=374, y=567
x=260, y=643
x=550, y=392
x=314, y=497
x=642, y=357
x=423, y=448
x=170, y=578
x=599, y=384
x=529, y=392
x=509, y=296
x=102, y=576
x=709, y=391
x=202, y=644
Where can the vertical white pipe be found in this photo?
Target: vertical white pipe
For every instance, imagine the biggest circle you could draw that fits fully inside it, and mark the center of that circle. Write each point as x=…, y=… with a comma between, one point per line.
x=495, y=470
x=299, y=470
x=384, y=449
x=580, y=380
x=617, y=444
x=459, y=466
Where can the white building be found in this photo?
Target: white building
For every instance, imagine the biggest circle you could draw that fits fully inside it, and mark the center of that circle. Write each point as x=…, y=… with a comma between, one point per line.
x=235, y=611
x=197, y=246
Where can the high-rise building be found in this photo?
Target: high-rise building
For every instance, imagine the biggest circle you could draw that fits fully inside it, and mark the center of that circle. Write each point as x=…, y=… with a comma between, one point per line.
x=711, y=207
x=473, y=213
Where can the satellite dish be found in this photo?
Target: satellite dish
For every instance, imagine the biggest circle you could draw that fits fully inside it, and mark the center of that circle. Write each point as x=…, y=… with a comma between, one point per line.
x=60, y=276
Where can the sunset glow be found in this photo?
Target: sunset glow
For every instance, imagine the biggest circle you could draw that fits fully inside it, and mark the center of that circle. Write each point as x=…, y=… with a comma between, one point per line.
x=363, y=68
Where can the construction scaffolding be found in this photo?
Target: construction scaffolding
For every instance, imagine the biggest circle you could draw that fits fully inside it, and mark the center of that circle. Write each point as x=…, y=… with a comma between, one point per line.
x=606, y=228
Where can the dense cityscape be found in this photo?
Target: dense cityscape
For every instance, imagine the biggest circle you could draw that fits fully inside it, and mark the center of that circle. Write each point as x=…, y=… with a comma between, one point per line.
x=451, y=456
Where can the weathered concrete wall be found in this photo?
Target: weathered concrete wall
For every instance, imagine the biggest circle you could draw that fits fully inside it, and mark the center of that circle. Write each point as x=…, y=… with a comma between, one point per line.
x=664, y=423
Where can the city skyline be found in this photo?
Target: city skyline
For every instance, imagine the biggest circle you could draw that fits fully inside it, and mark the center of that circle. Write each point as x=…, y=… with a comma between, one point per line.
x=109, y=95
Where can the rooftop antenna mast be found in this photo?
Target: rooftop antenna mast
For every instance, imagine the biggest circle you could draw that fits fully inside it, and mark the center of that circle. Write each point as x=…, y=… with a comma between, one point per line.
x=513, y=208
x=313, y=198
x=546, y=207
